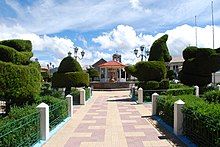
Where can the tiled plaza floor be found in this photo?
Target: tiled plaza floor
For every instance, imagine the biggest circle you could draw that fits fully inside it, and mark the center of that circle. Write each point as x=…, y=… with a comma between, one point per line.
x=109, y=119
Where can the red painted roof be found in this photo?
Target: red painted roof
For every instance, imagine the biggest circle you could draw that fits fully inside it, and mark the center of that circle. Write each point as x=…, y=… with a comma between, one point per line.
x=112, y=64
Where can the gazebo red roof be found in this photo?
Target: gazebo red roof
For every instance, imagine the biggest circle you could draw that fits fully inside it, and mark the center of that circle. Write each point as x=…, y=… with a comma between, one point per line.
x=112, y=64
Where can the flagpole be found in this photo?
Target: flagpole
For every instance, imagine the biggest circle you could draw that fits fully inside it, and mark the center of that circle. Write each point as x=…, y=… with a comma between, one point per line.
x=196, y=30
x=213, y=29
x=213, y=35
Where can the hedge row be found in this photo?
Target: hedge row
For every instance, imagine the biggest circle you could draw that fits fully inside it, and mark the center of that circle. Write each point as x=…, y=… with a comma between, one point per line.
x=204, y=117
x=19, y=83
x=70, y=79
x=212, y=96
x=18, y=44
x=20, y=120
x=9, y=54
x=180, y=91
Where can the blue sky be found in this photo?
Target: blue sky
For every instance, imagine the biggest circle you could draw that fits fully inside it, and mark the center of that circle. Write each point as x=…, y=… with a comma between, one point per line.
x=103, y=27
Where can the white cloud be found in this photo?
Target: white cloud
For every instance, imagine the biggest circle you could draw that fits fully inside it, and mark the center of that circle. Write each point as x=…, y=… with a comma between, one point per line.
x=45, y=48
x=136, y=4
x=125, y=39
x=52, y=16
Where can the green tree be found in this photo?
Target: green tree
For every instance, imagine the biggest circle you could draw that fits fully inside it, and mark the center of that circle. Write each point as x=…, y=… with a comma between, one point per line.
x=93, y=73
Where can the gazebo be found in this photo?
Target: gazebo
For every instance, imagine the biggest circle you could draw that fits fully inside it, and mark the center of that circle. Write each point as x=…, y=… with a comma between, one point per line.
x=112, y=71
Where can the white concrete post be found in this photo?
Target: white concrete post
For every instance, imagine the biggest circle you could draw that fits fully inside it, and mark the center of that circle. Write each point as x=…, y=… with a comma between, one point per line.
x=218, y=87
x=90, y=91
x=140, y=95
x=44, y=120
x=70, y=105
x=154, y=98
x=197, y=90
x=178, y=117
x=82, y=96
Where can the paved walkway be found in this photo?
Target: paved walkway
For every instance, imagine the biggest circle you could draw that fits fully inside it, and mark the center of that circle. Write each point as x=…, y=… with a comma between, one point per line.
x=108, y=119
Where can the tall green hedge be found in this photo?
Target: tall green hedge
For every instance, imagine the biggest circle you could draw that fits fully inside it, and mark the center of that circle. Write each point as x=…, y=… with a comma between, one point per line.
x=18, y=44
x=19, y=83
x=159, y=50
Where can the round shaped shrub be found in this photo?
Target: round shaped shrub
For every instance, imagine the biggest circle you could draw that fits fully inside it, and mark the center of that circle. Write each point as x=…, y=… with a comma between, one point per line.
x=150, y=71
x=69, y=64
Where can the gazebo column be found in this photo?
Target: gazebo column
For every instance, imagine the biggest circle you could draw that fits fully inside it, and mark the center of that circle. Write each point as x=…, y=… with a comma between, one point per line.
x=106, y=75
x=100, y=74
x=119, y=74
x=125, y=77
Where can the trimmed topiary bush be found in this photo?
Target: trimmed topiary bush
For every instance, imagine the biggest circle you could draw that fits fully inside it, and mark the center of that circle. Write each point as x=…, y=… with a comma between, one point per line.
x=20, y=78
x=150, y=71
x=212, y=96
x=69, y=75
x=199, y=65
x=9, y=54
x=18, y=44
x=19, y=83
x=93, y=73
x=69, y=64
x=130, y=70
x=189, y=52
x=164, y=84
x=21, y=126
x=152, y=85
x=180, y=91
x=159, y=50
x=170, y=75
x=199, y=116
x=70, y=79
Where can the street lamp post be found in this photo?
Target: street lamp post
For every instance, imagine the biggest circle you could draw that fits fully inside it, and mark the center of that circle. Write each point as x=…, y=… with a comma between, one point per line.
x=75, y=53
x=144, y=52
